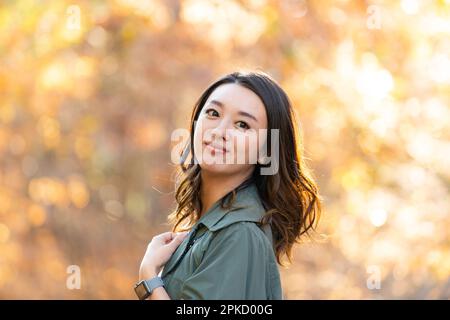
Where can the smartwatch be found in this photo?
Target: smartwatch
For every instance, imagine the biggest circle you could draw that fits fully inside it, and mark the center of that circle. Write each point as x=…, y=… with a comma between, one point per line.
x=145, y=288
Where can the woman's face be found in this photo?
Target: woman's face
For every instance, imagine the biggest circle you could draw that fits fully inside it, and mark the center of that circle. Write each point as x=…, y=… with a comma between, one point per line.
x=230, y=131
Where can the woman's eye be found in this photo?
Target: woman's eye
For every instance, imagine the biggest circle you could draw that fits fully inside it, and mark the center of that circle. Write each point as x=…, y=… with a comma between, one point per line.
x=243, y=125
x=212, y=113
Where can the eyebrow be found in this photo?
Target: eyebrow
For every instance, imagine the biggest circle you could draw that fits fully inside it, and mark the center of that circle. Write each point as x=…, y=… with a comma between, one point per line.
x=241, y=113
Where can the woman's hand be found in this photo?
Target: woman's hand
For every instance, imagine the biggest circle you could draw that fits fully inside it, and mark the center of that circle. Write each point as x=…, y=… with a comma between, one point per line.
x=159, y=250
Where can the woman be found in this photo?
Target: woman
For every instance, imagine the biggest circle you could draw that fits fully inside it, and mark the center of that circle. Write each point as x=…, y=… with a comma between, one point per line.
x=242, y=216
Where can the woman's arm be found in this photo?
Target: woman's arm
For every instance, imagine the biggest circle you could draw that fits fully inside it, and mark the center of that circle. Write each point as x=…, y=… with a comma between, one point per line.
x=159, y=250
x=159, y=294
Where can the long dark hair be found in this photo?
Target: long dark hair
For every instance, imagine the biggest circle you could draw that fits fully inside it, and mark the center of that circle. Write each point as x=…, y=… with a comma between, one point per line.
x=290, y=196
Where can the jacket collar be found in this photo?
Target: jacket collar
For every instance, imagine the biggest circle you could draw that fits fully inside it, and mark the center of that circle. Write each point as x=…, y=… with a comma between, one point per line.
x=247, y=198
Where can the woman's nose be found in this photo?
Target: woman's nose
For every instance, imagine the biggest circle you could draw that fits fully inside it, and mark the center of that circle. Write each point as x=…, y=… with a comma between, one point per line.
x=221, y=131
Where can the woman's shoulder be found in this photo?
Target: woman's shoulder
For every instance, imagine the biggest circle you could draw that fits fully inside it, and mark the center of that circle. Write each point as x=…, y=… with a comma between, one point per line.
x=246, y=234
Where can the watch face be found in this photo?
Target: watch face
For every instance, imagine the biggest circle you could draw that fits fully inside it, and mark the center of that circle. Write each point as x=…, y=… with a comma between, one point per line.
x=141, y=290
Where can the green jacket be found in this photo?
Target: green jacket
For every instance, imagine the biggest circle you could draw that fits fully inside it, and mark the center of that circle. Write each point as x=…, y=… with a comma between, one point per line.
x=226, y=255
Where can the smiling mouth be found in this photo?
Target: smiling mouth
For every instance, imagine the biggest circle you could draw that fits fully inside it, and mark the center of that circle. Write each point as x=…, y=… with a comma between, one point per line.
x=215, y=149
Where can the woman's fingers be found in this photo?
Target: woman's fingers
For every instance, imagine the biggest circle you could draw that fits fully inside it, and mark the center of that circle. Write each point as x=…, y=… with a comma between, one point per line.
x=163, y=237
x=177, y=240
x=167, y=237
x=160, y=249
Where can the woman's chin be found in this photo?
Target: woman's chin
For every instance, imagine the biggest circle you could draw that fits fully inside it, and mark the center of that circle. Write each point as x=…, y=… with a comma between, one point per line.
x=226, y=169
x=217, y=168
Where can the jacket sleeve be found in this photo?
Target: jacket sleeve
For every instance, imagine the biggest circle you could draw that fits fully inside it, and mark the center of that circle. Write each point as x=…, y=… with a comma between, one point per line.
x=233, y=267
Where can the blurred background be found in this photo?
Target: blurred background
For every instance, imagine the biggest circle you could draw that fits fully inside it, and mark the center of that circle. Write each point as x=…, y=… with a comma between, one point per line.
x=90, y=92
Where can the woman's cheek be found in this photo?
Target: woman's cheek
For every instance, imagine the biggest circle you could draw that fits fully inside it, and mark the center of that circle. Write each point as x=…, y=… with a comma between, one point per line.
x=252, y=147
x=241, y=148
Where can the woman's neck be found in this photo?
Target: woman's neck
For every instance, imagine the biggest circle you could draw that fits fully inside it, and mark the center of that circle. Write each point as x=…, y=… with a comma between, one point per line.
x=215, y=186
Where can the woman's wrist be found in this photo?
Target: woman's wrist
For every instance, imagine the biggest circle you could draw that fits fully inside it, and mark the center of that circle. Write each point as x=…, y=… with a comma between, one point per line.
x=148, y=273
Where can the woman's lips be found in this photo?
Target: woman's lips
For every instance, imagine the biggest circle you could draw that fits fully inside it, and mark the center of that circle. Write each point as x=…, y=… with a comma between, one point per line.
x=215, y=149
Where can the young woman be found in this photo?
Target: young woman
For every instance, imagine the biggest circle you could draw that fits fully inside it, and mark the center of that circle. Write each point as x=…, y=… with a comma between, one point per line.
x=239, y=218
